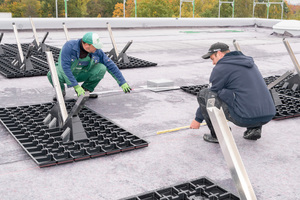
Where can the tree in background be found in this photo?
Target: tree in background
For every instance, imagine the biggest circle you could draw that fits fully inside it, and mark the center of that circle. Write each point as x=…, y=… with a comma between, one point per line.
x=104, y=8
x=48, y=8
x=292, y=11
x=15, y=7
x=118, y=12
x=32, y=8
x=243, y=8
x=77, y=8
x=154, y=8
x=206, y=8
x=226, y=10
x=186, y=9
x=130, y=8
x=145, y=8
x=94, y=8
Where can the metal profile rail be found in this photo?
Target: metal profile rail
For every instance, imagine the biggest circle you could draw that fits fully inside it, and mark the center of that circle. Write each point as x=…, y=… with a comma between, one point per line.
x=21, y=55
x=236, y=45
x=34, y=33
x=292, y=55
x=66, y=32
x=56, y=86
x=114, y=51
x=230, y=151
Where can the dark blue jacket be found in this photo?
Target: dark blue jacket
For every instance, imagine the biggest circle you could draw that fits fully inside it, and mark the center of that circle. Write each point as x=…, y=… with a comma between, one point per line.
x=238, y=82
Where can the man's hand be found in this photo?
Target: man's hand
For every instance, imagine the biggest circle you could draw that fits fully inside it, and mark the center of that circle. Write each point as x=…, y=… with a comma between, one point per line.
x=195, y=125
x=125, y=87
x=79, y=90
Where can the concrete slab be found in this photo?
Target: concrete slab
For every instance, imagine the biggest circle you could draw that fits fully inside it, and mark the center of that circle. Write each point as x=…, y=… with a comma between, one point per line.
x=272, y=163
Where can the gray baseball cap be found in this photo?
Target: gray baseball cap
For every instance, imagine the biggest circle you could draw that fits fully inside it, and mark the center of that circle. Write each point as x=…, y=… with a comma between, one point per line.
x=219, y=46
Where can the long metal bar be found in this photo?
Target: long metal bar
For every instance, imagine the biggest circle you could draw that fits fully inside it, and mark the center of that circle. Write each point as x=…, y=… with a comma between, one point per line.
x=230, y=152
x=34, y=33
x=18, y=43
x=236, y=45
x=66, y=32
x=292, y=55
x=281, y=78
x=112, y=39
x=56, y=86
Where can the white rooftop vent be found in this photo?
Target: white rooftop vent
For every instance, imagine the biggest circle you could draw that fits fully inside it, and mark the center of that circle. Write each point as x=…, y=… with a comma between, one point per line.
x=289, y=26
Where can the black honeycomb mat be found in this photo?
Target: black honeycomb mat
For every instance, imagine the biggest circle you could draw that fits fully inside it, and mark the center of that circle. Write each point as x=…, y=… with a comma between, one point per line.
x=9, y=71
x=289, y=108
x=11, y=50
x=38, y=59
x=44, y=145
x=25, y=47
x=134, y=63
x=199, y=189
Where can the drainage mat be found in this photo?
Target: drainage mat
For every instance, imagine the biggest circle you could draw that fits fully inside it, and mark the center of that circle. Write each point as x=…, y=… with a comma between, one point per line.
x=290, y=101
x=44, y=145
x=199, y=189
x=134, y=63
x=38, y=59
x=8, y=70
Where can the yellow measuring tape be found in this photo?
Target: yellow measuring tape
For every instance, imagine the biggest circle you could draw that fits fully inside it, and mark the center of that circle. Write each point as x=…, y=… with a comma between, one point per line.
x=177, y=129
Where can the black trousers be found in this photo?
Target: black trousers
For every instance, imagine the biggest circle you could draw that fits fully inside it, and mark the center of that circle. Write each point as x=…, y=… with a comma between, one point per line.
x=206, y=94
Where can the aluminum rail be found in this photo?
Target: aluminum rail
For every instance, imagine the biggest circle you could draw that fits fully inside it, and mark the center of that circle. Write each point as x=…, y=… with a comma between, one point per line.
x=292, y=55
x=66, y=32
x=236, y=45
x=18, y=43
x=281, y=78
x=112, y=40
x=34, y=33
x=56, y=86
x=230, y=152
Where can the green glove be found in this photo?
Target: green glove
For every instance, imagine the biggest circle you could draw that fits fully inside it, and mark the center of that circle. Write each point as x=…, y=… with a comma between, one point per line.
x=79, y=90
x=126, y=88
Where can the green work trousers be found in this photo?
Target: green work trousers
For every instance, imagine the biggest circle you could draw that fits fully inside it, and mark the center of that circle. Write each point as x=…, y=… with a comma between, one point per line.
x=90, y=75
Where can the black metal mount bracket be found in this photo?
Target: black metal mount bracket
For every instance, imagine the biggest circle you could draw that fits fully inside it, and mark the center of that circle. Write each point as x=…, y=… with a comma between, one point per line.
x=2, y=52
x=41, y=47
x=26, y=64
x=122, y=55
x=72, y=127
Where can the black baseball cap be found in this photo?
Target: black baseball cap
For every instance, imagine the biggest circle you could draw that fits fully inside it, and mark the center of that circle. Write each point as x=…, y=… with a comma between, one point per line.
x=219, y=46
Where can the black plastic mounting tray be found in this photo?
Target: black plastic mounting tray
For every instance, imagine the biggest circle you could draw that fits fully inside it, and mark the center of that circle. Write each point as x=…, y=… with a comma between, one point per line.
x=40, y=59
x=198, y=189
x=44, y=145
x=8, y=70
x=290, y=99
x=134, y=63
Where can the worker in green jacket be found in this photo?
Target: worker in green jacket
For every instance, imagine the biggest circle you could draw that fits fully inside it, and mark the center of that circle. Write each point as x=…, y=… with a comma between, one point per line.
x=83, y=60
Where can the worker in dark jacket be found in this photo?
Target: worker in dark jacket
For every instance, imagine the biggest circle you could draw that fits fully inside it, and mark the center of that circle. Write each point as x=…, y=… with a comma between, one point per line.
x=83, y=60
x=239, y=88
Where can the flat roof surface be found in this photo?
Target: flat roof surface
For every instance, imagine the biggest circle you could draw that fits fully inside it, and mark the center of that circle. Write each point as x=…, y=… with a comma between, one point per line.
x=272, y=162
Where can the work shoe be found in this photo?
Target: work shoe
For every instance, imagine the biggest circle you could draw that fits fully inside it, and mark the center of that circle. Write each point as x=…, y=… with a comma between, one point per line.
x=252, y=133
x=91, y=95
x=63, y=93
x=209, y=138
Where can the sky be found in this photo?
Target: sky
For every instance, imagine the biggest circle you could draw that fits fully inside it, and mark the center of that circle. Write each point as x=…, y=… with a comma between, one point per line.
x=294, y=2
